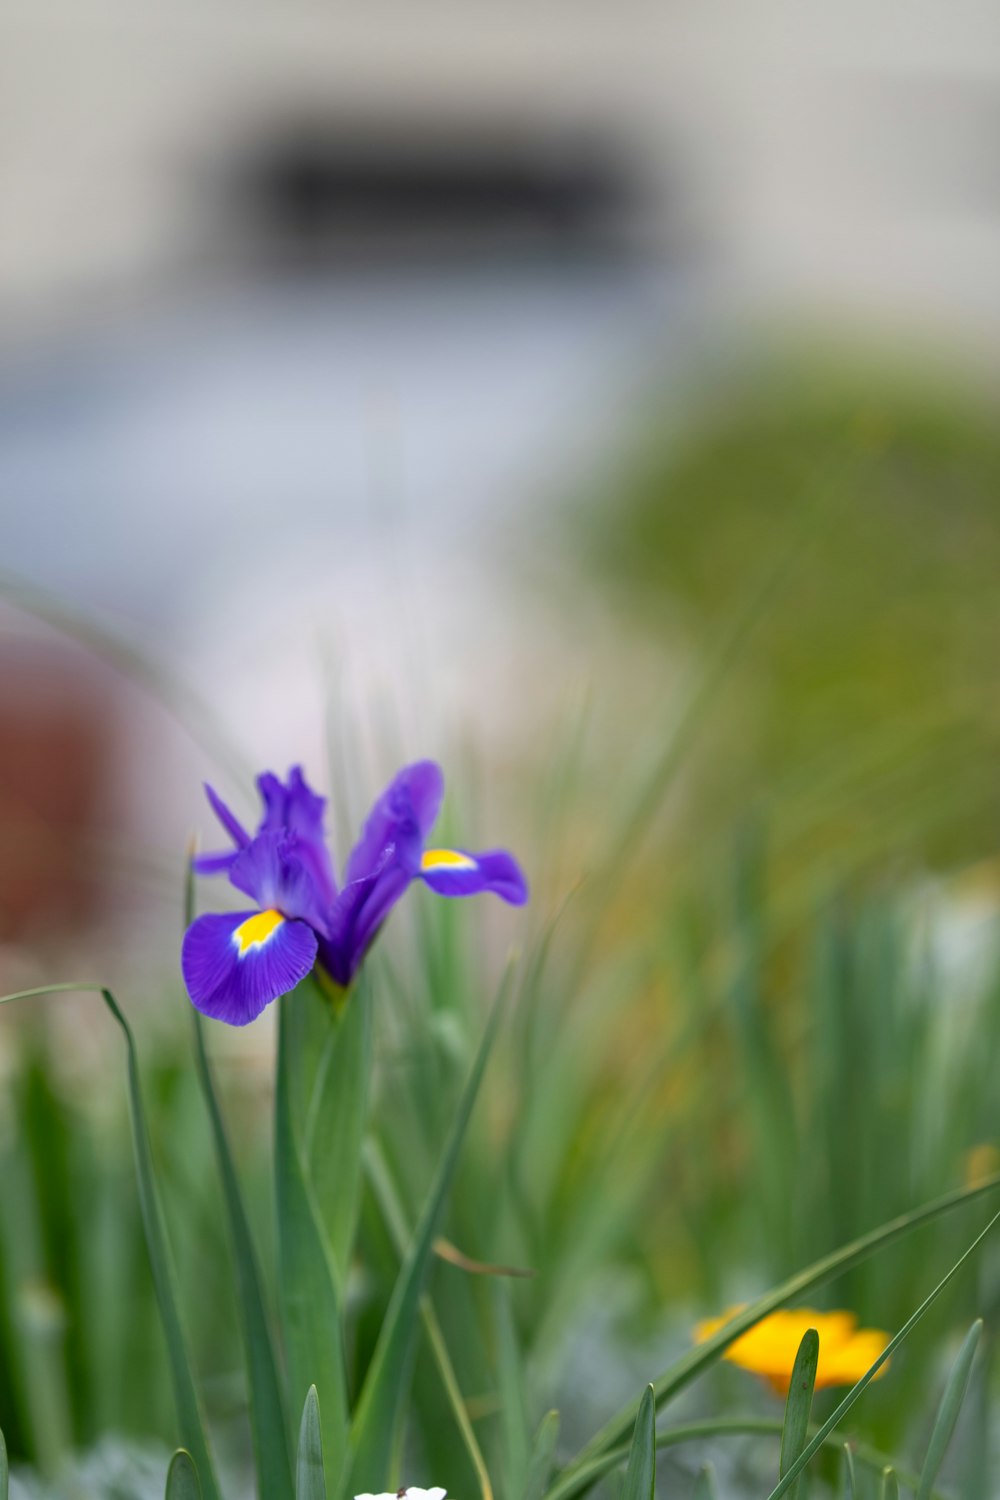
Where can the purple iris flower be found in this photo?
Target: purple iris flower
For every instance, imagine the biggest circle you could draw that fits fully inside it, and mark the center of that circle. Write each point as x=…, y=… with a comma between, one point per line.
x=236, y=964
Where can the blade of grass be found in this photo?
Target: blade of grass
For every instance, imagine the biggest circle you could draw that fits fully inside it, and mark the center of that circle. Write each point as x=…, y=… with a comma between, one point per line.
x=189, y=1418
x=266, y=1396
x=858, y=1390
x=542, y=1452
x=310, y=1306
x=850, y=1478
x=310, y=1474
x=698, y=1359
x=182, y=1478
x=704, y=1485
x=951, y=1403
x=511, y=1385
x=799, y=1403
x=640, y=1472
x=336, y=1123
x=377, y=1418
x=4, y=1469
x=890, y=1485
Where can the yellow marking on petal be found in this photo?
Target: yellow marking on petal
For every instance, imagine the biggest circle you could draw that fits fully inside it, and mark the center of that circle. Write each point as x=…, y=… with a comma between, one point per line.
x=256, y=930
x=445, y=859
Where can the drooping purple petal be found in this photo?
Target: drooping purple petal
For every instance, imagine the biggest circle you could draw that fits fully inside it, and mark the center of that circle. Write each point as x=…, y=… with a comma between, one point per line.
x=399, y=822
x=235, y=965
x=456, y=872
x=276, y=869
x=229, y=821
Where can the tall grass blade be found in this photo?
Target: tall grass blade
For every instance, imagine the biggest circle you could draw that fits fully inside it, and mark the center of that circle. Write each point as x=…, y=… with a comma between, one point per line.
x=4, y=1469
x=856, y=1391
x=640, y=1472
x=799, y=1404
x=951, y=1403
x=704, y=1485
x=850, y=1478
x=511, y=1385
x=336, y=1123
x=377, y=1418
x=310, y=1306
x=310, y=1474
x=189, y=1418
x=890, y=1485
x=691, y=1365
x=182, y=1478
x=542, y=1453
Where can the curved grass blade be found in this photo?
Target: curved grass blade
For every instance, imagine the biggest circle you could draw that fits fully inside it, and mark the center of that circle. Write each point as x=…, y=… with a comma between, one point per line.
x=378, y=1415
x=640, y=1472
x=542, y=1452
x=182, y=1478
x=799, y=1404
x=189, y=1418
x=266, y=1396
x=698, y=1359
x=310, y=1306
x=310, y=1475
x=704, y=1485
x=856, y=1391
x=890, y=1485
x=336, y=1124
x=951, y=1403
x=4, y=1469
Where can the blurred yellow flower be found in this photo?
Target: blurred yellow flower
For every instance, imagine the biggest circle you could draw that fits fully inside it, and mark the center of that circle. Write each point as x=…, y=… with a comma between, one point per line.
x=769, y=1348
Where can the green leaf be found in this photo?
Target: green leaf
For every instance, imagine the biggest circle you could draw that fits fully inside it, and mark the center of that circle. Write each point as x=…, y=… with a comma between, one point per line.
x=336, y=1124
x=850, y=1478
x=704, y=1485
x=511, y=1386
x=951, y=1402
x=377, y=1419
x=266, y=1396
x=4, y=1469
x=799, y=1403
x=268, y=1420
x=310, y=1306
x=573, y=1477
x=540, y=1463
x=890, y=1485
x=640, y=1472
x=182, y=1478
x=310, y=1475
x=189, y=1418
x=857, y=1390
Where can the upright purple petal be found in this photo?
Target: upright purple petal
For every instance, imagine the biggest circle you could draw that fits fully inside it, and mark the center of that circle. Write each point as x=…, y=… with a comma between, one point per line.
x=235, y=965
x=230, y=823
x=456, y=872
x=276, y=870
x=358, y=913
x=294, y=807
x=399, y=822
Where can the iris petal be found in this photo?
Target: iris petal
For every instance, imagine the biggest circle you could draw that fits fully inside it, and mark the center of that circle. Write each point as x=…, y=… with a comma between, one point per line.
x=229, y=821
x=233, y=980
x=399, y=822
x=455, y=872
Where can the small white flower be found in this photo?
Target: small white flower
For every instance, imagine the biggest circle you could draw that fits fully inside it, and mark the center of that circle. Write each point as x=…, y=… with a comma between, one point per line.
x=410, y=1492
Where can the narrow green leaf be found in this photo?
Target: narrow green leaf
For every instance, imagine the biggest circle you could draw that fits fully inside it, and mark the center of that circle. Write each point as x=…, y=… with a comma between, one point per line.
x=857, y=1390
x=850, y=1478
x=189, y=1418
x=799, y=1403
x=890, y=1485
x=182, y=1478
x=640, y=1472
x=511, y=1385
x=310, y=1475
x=951, y=1403
x=310, y=1306
x=542, y=1453
x=698, y=1359
x=704, y=1485
x=266, y=1396
x=4, y=1469
x=377, y=1418
x=336, y=1124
